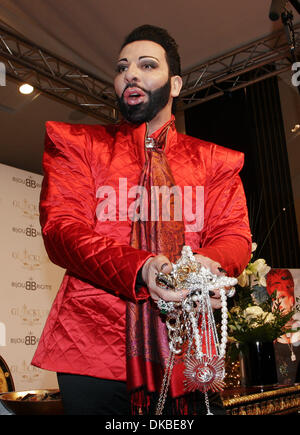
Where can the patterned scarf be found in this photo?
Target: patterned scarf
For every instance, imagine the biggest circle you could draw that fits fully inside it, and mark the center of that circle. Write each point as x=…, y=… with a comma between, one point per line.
x=147, y=340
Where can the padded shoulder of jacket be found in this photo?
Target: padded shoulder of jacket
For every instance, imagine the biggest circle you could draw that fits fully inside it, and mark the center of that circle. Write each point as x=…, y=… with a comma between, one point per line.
x=221, y=160
x=61, y=132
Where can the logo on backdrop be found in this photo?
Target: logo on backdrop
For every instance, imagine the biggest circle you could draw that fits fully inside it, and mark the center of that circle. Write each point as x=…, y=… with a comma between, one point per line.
x=31, y=285
x=29, y=260
x=2, y=74
x=29, y=316
x=27, y=231
x=26, y=372
x=26, y=208
x=28, y=182
x=29, y=340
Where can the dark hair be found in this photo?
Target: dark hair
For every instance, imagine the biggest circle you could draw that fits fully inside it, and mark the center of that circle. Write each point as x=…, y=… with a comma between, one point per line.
x=156, y=34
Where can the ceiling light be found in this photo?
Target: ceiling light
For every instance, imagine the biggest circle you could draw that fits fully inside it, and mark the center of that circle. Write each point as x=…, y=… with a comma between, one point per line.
x=26, y=89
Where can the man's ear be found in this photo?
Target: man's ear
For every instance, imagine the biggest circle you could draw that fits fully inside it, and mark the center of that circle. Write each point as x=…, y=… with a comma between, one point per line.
x=176, y=85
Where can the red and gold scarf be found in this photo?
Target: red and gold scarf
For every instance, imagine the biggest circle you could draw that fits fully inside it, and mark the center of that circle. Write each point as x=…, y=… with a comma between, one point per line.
x=147, y=340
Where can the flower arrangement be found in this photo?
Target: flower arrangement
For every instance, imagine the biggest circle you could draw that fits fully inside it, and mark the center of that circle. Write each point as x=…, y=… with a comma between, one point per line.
x=256, y=315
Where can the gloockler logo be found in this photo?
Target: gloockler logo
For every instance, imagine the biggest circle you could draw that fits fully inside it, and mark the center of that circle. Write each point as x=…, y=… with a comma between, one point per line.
x=2, y=74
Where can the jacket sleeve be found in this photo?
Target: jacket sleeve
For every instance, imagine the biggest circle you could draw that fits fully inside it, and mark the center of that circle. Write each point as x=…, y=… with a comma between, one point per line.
x=68, y=218
x=226, y=235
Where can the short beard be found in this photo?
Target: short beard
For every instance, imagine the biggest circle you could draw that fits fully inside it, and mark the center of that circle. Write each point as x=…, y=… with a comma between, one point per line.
x=145, y=112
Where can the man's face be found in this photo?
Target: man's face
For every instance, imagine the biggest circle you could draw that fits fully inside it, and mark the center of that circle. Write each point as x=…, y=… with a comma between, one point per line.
x=142, y=84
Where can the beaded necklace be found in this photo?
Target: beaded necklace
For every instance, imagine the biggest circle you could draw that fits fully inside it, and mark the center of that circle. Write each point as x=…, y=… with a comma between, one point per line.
x=192, y=321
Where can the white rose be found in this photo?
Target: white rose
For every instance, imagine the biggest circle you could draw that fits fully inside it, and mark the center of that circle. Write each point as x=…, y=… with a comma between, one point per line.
x=253, y=311
x=269, y=318
x=260, y=267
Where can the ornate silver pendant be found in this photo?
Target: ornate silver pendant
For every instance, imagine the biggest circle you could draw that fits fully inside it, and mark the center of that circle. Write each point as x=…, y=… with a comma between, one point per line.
x=206, y=373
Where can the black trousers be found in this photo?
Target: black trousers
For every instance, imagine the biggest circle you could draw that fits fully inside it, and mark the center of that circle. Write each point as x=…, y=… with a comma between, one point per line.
x=86, y=395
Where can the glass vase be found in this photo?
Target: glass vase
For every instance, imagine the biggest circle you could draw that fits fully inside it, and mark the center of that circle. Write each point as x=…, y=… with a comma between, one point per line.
x=257, y=364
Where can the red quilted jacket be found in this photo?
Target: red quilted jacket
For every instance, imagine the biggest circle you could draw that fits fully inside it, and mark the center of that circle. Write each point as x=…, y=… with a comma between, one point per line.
x=85, y=330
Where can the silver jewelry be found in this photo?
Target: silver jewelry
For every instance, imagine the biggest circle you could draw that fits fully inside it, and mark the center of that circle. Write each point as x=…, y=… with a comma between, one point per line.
x=165, y=307
x=191, y=320
x=230, y=292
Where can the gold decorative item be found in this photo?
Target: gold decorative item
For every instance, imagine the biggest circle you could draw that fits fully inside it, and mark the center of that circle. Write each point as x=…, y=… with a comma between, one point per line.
x=6, y=380
x=33, y=402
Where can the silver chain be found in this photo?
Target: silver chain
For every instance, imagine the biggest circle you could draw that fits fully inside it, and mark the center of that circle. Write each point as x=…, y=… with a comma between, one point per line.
x=173, y=335
x=182, y=323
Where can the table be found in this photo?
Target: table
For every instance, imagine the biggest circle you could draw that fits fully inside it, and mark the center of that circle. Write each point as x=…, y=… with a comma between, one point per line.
x=262, y=400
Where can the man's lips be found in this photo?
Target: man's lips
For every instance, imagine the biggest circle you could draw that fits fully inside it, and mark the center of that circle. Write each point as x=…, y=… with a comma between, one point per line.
x=133, y=96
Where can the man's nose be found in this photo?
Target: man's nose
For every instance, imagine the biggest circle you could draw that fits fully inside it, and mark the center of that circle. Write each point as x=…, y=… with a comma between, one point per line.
x=132, y=73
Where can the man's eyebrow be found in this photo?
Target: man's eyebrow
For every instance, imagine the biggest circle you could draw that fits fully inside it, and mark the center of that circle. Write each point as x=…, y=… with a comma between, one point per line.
x=152, y=57
x=124, y=59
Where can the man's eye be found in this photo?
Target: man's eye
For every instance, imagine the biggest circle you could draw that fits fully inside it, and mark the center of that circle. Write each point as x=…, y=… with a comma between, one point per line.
x=149, y=66
x=121, y=68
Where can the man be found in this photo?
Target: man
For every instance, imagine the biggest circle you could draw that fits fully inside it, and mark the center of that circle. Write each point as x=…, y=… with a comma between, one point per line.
x=104, y=330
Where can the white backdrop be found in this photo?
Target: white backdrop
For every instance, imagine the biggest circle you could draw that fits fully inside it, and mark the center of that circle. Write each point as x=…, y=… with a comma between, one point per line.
x=29, y=281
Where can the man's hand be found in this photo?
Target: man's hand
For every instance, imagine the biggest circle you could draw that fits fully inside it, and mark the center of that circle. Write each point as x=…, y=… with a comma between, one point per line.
x=160, y=263
x=150, y=270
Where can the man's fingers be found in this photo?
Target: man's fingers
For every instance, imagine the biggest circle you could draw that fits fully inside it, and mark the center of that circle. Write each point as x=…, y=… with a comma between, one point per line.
x=212, y=265
x=216, y=291
x=166, y=267
x=162, y=263
x=215, y=303
x=175, y=296
x=168, y=295
x=153, y=266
